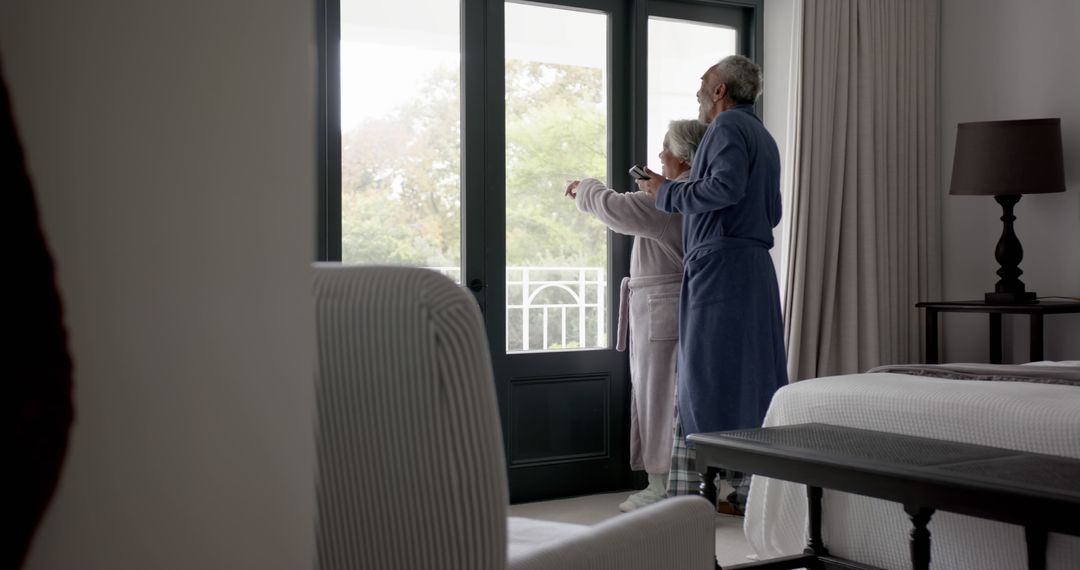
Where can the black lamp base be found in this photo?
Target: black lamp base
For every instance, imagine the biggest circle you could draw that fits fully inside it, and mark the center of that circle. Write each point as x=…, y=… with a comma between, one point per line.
x=1021, y=298
x=1009, y=290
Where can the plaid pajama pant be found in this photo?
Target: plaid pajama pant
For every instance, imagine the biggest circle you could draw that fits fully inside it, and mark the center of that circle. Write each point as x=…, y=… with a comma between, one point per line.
x=684, y=480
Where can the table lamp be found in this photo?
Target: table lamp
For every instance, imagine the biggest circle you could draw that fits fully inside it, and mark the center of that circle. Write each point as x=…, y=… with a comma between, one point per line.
x=1006, y=159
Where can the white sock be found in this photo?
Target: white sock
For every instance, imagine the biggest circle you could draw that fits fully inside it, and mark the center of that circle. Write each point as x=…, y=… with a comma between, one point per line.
x=656, y=491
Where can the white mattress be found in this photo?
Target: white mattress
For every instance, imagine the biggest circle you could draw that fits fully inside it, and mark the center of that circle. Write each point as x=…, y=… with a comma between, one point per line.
x=1042, y=418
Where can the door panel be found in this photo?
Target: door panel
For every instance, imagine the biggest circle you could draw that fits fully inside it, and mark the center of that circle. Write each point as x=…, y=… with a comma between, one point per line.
x=557, y=419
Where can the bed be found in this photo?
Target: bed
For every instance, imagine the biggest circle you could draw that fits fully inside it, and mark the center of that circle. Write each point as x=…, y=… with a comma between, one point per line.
x=1039, y=412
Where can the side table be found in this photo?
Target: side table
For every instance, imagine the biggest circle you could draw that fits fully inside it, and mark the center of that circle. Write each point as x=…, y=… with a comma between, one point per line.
x=1035, y=312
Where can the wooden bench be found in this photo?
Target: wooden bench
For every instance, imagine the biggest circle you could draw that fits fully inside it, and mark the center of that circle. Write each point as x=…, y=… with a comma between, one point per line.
x=1039, y=492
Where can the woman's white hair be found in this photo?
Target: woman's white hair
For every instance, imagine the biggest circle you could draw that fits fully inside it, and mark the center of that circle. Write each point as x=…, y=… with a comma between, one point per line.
x=742, y=77
x=683, y=138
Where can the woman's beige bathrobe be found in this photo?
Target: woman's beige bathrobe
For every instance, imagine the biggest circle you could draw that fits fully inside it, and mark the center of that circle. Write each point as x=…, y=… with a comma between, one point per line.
x=649, y=305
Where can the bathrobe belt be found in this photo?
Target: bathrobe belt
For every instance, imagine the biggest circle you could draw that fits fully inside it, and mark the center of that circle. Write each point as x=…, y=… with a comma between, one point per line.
x=719, y=243
x=627, y=284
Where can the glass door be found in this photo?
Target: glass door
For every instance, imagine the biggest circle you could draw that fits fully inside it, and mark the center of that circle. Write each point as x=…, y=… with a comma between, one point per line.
x=562, y=387
x=683, y=39
x=400, y=134
x=557, y=129
x=406, y=184
x=679, y=53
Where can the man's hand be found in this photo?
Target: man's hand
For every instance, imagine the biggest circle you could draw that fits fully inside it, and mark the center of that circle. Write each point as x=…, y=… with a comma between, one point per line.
x=570, y=189
x=651, y=185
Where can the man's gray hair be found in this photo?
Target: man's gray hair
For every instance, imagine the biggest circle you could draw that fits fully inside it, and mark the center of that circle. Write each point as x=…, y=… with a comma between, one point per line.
x=683, y=138
x=742, y=77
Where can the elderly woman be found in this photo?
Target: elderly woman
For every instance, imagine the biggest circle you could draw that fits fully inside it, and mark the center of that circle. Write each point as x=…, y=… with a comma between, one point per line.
x=649, y=301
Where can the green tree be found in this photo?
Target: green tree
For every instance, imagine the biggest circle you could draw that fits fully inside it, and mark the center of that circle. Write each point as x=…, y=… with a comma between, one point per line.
x=555, y=132
x=401, y=196
x=400, y=181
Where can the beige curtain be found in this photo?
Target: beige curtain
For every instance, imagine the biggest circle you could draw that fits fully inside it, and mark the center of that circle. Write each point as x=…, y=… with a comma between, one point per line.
x=863, y=242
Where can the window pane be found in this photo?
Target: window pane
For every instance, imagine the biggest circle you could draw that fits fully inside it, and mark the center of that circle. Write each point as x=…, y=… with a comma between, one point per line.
x=679, y=53
x=401, y=133
x=556, y=131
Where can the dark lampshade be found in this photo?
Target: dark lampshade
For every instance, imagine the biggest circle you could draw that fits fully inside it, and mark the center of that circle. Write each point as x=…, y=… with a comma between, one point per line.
x=999, y=158
x=1006, y=159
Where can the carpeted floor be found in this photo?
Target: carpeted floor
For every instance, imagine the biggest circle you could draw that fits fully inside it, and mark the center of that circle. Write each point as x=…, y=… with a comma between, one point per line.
x=731, y=546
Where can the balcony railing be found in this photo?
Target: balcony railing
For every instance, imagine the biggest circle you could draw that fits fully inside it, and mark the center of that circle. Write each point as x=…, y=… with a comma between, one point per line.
x=552, y=308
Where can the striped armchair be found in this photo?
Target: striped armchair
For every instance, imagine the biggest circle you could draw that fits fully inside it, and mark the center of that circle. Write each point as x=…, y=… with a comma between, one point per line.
x=411, y=472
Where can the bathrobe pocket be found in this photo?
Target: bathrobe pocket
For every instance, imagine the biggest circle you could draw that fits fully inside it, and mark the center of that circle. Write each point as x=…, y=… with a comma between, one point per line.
x=664, y=316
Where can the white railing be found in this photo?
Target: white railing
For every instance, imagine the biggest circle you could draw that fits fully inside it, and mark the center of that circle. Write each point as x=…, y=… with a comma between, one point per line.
x=552, y=308
x=540, y=293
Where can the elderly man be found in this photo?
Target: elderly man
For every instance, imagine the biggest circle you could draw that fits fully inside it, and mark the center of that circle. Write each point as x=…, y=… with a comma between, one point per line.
x=731, y=346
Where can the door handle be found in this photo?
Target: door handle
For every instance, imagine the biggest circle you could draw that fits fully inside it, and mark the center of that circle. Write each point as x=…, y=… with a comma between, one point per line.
x=477, y=287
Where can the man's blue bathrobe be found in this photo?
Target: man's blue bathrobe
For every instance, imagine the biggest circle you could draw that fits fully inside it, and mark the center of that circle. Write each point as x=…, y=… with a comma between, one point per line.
x=731, y=333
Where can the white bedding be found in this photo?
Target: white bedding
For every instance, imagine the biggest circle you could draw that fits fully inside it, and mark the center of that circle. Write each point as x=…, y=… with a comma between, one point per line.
x=1042, y=418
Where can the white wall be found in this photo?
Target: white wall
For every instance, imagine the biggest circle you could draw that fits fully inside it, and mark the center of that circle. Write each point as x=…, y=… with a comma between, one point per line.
x=1003, y=59
x=776, y=102
x=172, y=147
x=776, y=67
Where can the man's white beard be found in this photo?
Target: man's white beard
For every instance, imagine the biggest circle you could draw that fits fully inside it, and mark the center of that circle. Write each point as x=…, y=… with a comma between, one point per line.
x=704, y=106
